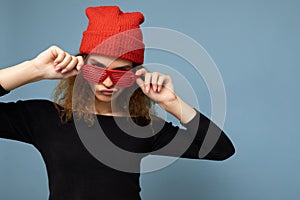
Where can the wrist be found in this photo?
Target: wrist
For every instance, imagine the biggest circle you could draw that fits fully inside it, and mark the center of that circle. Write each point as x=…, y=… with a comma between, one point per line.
x=18, y=75
x=180, y=109
x=171, y=104
x=36, y=73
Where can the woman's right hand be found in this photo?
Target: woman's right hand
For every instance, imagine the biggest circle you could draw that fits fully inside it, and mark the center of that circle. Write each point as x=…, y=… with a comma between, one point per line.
x=55, y=63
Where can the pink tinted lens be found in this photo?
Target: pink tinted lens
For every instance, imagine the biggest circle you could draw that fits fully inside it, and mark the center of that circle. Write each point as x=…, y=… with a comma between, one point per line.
x=98, y=75
x=93, y=73
x=122, y=78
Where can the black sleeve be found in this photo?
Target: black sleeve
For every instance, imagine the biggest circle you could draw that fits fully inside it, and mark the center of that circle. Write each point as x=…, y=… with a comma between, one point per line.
x=3, y=91
x=13, y=121
x=174, y=141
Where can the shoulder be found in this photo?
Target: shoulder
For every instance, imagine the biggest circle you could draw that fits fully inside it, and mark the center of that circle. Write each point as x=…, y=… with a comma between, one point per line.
x=35, y=106
x=33, y=112
x=36, y=103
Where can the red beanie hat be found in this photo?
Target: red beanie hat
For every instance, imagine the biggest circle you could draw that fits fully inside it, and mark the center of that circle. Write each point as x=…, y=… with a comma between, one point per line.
x=111, y=32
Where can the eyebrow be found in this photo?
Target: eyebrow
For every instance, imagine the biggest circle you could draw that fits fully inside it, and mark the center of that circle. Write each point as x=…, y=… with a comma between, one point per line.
x=97, y=63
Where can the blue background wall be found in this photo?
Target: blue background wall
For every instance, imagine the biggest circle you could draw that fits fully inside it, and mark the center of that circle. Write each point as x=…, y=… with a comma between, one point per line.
x=254, y=43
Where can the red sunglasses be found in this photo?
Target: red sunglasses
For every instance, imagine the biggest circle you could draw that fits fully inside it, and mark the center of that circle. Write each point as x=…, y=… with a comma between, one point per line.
x=97, y=74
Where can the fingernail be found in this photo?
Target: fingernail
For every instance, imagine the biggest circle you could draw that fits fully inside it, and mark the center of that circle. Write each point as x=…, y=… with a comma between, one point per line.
x=64, y=71
x=147, y=89
x=154, y=88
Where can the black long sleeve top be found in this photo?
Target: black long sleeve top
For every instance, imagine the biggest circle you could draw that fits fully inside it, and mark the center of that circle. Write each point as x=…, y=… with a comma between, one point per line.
x=74, y=173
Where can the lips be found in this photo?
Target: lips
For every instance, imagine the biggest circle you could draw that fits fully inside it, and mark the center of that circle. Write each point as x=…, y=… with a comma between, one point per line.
x=107, y=92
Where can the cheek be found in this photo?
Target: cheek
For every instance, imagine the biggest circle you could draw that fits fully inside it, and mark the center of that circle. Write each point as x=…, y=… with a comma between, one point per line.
x=119, y=92
x=124, y=93
x=120, y=89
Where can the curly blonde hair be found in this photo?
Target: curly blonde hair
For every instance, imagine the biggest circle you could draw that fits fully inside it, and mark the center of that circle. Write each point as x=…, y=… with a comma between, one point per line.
x=75, y=96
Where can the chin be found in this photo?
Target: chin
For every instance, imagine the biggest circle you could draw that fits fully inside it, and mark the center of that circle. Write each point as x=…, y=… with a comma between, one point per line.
x=103, y=99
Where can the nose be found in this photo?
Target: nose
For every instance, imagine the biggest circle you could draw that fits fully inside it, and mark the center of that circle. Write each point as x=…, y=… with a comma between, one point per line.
x=107, y=82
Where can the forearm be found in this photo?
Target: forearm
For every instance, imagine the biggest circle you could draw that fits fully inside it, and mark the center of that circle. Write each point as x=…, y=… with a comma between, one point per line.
x=53, y=63
x=18, y=75
x=180, y=109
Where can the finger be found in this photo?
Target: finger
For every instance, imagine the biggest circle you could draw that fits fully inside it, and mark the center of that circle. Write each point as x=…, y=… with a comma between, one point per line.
x=68, y=74
x=147, y=82
x=141, y=72
x=71, y=65
x=80, y=62
x=140, y=83
x=160, y=82
x=58, y=53
x=67, y=59
x=154, y=79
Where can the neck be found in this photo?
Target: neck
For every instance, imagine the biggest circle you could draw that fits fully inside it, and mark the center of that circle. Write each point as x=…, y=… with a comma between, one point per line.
x=105, y=108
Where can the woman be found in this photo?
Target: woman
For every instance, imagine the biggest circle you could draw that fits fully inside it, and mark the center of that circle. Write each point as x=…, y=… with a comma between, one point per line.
x=97, y=86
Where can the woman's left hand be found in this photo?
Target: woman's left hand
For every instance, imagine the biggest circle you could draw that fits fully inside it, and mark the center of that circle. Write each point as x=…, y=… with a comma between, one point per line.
x=157, y=86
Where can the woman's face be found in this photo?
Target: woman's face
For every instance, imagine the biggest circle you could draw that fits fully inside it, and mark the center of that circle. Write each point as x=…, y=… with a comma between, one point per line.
x=106, y=90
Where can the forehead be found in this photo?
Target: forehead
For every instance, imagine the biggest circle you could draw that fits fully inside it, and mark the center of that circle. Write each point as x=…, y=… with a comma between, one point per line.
x=108, y=61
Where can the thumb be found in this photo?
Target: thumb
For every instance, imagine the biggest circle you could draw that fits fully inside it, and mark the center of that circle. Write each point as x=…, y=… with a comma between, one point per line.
x=71, y=73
